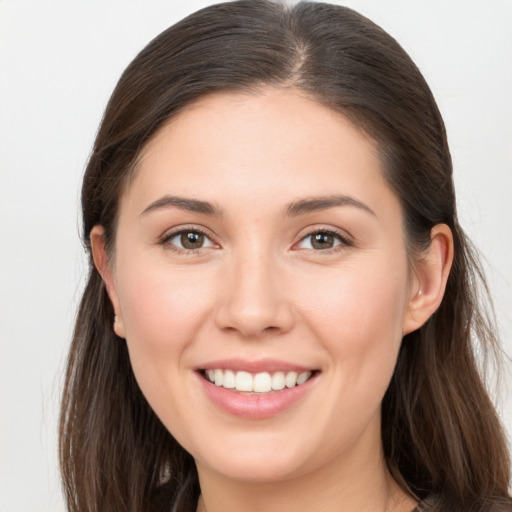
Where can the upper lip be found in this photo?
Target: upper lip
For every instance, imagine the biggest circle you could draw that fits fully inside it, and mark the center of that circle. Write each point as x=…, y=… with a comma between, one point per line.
x=257, y=366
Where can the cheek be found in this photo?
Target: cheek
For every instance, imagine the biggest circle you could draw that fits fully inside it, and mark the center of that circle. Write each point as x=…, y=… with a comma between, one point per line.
x=162, y=312
x=357, y=299
x=358, y=318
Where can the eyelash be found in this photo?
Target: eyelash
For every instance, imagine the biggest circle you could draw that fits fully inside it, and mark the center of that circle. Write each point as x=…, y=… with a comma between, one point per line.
x=165, y=240
x=343, y=240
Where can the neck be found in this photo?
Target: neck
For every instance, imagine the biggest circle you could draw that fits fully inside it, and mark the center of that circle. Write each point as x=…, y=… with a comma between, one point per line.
x=364, y=487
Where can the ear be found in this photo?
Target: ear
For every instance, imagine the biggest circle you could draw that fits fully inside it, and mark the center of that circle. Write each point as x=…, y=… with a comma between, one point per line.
x=104, y=267
x=431, y=271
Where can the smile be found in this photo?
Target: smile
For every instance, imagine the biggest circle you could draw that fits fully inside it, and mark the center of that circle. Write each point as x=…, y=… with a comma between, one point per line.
x=263, y=382
x=256, y=390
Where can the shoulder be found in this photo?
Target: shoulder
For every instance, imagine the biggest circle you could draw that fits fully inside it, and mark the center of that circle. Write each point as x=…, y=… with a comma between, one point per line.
x=438, y=503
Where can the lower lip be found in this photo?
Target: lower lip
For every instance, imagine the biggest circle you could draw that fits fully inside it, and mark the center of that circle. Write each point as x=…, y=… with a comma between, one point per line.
x=255, y=406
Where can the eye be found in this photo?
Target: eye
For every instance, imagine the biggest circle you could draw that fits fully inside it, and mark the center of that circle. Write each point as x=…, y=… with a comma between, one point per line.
x=188, y=240
x=322, y=240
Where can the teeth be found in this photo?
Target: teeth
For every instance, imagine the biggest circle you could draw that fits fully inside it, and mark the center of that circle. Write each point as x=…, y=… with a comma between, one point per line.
x=303, y=377
x=278, y=381
x=263, y=382
x=291, y=379
x=229, y=381
x=243, y=381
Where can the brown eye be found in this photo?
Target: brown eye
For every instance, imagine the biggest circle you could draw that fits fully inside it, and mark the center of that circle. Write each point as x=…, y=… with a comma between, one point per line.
x=188, y=240
x=322, y=241
x=192, y=240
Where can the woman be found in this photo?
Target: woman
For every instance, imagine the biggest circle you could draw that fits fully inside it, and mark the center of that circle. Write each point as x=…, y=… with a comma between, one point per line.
x=281, y=303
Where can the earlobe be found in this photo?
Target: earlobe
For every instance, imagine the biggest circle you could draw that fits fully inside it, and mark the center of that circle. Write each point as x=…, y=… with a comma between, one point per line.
x=104, y=268
x=431, y=269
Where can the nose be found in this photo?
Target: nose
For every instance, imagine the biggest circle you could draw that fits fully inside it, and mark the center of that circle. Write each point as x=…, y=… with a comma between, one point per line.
x=254, y=301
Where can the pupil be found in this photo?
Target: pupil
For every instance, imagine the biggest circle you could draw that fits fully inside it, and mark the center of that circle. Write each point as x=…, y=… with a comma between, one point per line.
x=192, y=240
x=322, y=241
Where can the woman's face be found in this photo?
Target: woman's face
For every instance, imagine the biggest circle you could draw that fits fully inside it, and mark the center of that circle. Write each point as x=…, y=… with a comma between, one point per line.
x=259, y=246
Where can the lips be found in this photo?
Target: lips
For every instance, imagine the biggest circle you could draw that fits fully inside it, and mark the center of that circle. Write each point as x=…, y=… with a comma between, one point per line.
x=255, y=390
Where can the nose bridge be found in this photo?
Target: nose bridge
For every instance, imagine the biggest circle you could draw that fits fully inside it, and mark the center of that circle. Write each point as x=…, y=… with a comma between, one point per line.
x=254, y=299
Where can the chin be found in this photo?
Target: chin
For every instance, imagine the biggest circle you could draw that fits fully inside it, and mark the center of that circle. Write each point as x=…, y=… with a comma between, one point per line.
x=261, y=461
x=261, y=471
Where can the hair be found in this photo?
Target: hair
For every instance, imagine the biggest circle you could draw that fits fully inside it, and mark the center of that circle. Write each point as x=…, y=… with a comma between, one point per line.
x=442, y=439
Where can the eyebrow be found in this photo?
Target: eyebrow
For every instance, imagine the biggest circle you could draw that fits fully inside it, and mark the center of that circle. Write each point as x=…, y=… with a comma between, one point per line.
x=314, y=204
x=296, y=208
x=184, y=203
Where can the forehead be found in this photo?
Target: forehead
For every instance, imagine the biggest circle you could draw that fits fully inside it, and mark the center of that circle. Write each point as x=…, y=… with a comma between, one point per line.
x=252, y=148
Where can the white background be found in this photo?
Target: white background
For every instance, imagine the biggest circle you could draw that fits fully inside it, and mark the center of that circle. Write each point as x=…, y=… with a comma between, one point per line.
x=60, y=60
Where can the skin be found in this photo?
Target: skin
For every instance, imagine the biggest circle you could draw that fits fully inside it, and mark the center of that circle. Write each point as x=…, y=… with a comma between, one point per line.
x=259, y=289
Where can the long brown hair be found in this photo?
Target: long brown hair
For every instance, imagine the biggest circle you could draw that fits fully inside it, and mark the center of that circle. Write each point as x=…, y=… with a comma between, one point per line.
x=442, y=438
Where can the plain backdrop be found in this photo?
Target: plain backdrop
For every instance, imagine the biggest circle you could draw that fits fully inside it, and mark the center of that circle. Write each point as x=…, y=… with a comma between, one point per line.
x=60, y=60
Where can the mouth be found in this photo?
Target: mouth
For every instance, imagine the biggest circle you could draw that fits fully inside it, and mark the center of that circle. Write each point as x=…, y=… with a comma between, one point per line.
x=256, y=389
x=256, y=383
